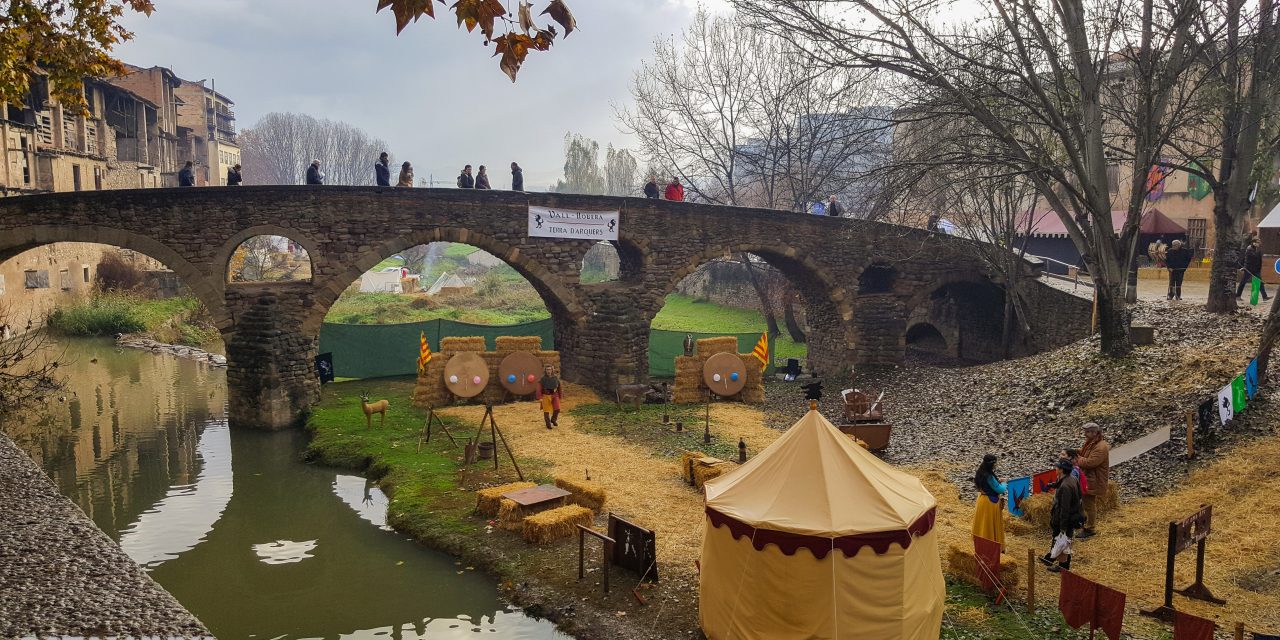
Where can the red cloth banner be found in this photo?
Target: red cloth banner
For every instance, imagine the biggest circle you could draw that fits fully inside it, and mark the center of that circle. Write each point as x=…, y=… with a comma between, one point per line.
x=1043, y=482
x=986, y=555
x=1109, y=613
x=1076, y=599
x=1189, y=627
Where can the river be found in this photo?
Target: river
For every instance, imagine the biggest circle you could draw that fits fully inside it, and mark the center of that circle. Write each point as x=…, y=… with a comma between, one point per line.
x=252, y=541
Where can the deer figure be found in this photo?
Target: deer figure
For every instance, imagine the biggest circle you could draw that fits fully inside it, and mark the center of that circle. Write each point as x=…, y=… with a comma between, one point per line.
x=380, y=407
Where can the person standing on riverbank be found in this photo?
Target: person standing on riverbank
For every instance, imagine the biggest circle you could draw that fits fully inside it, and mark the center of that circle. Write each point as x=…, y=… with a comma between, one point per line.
x=382, y=172
x=1177, y=260
x=549, y=394
x=988, y=516
x=1094, y=459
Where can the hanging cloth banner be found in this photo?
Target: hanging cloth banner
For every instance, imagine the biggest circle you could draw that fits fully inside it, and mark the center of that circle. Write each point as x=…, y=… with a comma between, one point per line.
x=1019, y=490
x=1254, y=289
x=1135, y=448
x=1251, y=378
x=1204, y=415
x=1198, y=187
x=572, y=224
x=1224, y=405
x=1239, y=397
x=1044, y=482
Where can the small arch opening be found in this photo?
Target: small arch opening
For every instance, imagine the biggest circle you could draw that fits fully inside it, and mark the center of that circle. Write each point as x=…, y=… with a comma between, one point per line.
x=877, y=278
x=267, y=258
x=927, y=338
x=601, y=263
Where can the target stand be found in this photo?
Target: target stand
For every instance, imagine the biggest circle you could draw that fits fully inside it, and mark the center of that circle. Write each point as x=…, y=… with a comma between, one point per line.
x=495, y=434
x=425, y=434
x=725, y=375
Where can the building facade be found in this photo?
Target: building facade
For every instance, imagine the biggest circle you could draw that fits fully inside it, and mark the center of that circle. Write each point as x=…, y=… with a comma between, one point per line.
x=208, y=118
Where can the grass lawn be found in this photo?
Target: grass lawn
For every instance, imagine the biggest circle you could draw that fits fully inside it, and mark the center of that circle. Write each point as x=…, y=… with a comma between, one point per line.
x=685, y=313
x=179, y=320
x=509, y=306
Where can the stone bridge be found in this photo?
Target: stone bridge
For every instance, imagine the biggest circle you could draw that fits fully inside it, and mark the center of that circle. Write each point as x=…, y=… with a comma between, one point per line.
x=868, y=288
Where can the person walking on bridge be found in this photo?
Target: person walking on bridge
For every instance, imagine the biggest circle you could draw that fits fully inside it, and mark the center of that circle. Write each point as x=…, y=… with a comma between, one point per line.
x=382, y=172
x=517, y=177
x=1177, y=260
x=406, y=175
x=651, y=188
x=482, y=179
x=834, y=208
x=187, y=176
x=233, y=176
x=313, y=173
x=675, y=190
x=465, y=181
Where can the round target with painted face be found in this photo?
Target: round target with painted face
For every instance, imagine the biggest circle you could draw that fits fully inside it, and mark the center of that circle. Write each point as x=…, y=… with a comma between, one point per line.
x=519, y=373
x=725, y=374
x=466, y=374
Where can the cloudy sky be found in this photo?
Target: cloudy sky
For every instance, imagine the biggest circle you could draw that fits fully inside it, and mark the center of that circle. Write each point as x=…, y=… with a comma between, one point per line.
x=433, y=93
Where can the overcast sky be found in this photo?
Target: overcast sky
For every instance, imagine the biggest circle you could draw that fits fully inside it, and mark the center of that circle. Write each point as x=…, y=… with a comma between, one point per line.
x=433, y=93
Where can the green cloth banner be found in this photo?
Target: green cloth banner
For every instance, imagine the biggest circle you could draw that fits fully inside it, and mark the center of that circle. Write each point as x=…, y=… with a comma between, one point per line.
x=384, y=350
x=1255, y=287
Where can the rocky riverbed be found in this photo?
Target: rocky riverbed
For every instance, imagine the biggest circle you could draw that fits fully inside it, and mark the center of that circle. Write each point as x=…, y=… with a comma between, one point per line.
x=134, y=341
x=1028, y=409
x=62, y=576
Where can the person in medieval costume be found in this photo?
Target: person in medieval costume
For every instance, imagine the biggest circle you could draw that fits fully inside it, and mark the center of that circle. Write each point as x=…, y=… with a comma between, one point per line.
x=988, y=516
x=549, y=394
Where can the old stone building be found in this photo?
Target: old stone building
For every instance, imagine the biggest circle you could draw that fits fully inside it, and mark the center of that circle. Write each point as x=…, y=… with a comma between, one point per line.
x=206, y=119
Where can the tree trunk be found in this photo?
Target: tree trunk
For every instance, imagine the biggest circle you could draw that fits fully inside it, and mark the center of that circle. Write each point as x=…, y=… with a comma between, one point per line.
x=1006, y=327
x=1113, y=318
x=1270, y=331
x=1228, y=233
x=766, y=305
x=789, y=316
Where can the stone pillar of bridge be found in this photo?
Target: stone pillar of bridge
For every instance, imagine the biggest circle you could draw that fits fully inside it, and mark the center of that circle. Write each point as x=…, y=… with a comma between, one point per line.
x=610, y=345
x=271, y=381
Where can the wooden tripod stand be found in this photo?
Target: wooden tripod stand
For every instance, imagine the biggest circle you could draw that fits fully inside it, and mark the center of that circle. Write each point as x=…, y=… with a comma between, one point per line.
x=494, y=435
x=426, y=429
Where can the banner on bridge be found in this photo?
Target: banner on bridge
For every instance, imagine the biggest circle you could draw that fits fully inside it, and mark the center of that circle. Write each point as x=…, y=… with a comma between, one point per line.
x=572, y=224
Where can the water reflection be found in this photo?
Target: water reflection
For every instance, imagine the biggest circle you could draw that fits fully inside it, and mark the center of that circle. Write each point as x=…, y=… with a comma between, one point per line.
x=255, y=543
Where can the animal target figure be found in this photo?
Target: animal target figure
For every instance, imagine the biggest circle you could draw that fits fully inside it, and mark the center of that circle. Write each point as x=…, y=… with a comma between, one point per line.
x=380, y=407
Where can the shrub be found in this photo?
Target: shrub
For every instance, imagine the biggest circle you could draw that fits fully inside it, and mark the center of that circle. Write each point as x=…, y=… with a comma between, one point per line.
x=97, y=316
x=116, y=273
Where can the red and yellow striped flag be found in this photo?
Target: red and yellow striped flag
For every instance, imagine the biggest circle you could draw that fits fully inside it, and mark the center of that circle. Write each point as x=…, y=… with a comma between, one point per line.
x=761, y=352
x=424, y=352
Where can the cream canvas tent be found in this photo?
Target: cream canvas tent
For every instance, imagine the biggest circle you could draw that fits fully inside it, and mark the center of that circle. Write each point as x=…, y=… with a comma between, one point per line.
x=818, y=538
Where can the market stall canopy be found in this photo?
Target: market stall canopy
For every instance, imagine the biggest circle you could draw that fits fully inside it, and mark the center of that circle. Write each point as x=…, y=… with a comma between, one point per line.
x=1154, y=222
x=1272, y=221
x=815, y=481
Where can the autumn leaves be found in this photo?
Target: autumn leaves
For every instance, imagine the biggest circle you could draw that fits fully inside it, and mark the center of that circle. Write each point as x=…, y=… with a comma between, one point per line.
x=522, y=34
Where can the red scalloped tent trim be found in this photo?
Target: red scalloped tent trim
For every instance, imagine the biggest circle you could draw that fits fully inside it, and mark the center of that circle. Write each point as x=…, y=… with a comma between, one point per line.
x=789, y=543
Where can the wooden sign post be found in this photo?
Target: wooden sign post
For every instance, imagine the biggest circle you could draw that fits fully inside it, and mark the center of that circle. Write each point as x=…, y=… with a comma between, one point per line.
x=1193, y=530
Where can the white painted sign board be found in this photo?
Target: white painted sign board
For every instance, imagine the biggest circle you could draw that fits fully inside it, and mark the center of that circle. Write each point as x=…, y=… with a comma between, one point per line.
x=572, y=224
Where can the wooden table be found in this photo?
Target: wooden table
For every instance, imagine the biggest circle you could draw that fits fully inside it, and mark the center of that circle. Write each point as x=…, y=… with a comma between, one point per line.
x=538, y=498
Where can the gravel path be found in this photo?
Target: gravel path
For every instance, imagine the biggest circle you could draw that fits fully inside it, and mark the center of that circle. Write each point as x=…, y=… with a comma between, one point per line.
x=1028, y=409
x=61, y=575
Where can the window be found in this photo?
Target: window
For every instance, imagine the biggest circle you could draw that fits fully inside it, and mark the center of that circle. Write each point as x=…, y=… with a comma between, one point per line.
x=36, y=279
x=26, y=166
x=1196, y=232
x=85, y=267
x=1, y=284
x=64, y=279
x=97, y=178
x=142, y=181
x=1113, y=178
x=75, y=176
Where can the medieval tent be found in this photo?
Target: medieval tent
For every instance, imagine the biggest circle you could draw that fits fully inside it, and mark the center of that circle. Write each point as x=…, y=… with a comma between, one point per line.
x=818, y=538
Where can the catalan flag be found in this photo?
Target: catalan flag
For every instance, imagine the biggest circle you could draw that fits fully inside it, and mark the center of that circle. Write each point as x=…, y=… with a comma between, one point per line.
x=761, y=352
x=424, y=352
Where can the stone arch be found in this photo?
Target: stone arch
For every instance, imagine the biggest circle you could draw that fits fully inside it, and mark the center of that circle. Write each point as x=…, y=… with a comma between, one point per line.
x=969, y=311
x=632, y=259
x=565, y=308
x=828, y=304
x=877, y=277
x=228, y=248
x=926, y=337
x=207, y=289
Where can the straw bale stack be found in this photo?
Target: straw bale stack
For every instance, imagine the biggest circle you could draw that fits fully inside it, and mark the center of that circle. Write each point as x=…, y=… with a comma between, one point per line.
x=962, y=566
x=1036, y=509
x=556, y=524
x=710, y=469
x=431, y=391
x=454, y=344
x=689, y=387
x=507, y=344
x=707, y=347
x=510, y=515
x=488, y=501
x=584, y=492
x=684, y=463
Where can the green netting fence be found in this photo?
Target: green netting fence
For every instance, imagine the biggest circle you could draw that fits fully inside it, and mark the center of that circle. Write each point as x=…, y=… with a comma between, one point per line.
x=383, y=350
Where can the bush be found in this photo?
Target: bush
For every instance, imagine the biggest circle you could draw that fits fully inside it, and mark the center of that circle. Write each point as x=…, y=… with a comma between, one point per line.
x=97, y=316
x=115, y=273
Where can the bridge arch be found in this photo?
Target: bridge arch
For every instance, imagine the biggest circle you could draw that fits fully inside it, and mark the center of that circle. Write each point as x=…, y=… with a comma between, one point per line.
x=206, y=289
x=228, y=248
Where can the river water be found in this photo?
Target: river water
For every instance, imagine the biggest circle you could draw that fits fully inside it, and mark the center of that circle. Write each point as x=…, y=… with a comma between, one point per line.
x=252, y=541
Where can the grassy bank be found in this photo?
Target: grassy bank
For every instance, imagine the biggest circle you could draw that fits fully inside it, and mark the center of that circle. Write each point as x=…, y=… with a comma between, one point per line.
x=685, y=313
x=181, y=320
x=511, y=305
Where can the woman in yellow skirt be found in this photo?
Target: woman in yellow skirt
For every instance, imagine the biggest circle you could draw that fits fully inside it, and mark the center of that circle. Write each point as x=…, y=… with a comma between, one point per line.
x=988, y=515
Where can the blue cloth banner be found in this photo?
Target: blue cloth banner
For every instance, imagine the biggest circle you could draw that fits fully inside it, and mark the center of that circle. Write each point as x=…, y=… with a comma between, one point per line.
x=1251, y=379
x=1019, y=490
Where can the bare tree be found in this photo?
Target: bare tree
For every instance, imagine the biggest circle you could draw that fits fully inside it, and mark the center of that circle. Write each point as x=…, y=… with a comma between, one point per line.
x=1060, y=94
x=280, y=146
x=581, y=166
x=28, y=363
x=621, y=172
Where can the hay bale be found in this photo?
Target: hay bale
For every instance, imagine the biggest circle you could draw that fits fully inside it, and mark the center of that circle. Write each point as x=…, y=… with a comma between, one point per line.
x=1036, y=509
x=488, y=501
x=708, y=347
x=556, y=524
x=705, y=471
x=507, y=344
x=963, y=566
x=684, y=463
x=510, y=515
x=584, y=492
x=462, y=343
